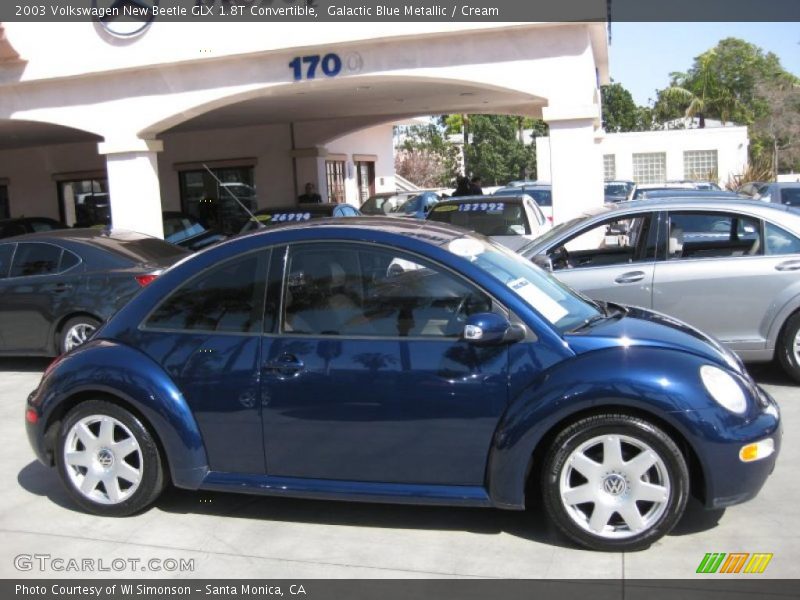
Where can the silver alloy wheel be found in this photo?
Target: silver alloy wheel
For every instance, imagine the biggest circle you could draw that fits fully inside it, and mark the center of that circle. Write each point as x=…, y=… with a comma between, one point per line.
x=614, y=486
x=796, y=346
x=103, y=460
x=77, y=335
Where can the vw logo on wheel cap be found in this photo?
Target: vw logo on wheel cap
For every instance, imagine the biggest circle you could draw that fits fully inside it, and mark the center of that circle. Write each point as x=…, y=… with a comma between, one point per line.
x=614, y=484
x=105, y=458
x=126, y=23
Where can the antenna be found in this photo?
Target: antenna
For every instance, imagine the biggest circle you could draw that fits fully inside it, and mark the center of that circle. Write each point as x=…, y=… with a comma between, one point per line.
x=258, y=223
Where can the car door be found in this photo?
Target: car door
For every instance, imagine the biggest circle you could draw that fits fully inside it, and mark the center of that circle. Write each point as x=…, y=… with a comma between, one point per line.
x=366, y=377
x=32, y=294
x=611, y=260
x=719, y=277
x=6, y=254
x=206, y=335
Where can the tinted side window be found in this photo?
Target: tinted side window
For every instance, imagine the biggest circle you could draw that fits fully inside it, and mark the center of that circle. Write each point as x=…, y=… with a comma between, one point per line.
x=227, y=297
x=344, y=290
x=712, y=235
x=68, y=260
x=780, y=241
x=6, y=252
x=35, y=259
x=42, y=225
x=790, y=196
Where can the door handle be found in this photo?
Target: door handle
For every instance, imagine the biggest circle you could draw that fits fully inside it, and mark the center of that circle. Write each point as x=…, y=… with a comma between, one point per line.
x=286, y=365
x=630, y=277
x=789, y=265
x=61, y=287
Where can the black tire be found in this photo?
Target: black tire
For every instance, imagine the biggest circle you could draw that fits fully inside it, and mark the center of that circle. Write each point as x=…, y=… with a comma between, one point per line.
x=659, y=517
x=786, y=353
x=146, y=460
x=75, y=324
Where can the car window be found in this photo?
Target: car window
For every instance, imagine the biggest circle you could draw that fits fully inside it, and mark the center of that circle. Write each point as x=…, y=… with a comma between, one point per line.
x=619, y=241
x=712, y=235
x=790, y=196
x=14, y=229
x=225, y=298
x=6, y=252
x=492, y=217
x=351, y=290
x=780, y=241
x=68, y=260
x=35, y=259
x=37, y=225
x=536, y=211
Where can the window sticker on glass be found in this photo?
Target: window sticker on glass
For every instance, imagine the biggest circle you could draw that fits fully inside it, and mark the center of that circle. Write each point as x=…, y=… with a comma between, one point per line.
x=466, y=247
x=549, y=308
x=284, y=217
x=490, y=207
x=446, y=208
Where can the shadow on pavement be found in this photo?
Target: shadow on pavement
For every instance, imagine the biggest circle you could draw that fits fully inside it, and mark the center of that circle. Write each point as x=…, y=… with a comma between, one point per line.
x=697, y=518
x=41, y=481
x=25, y=365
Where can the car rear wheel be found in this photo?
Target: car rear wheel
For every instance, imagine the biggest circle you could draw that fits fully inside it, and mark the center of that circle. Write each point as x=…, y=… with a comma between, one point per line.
x=615, y=482
x=789, y=347
x=107, y=459
x=76, y=331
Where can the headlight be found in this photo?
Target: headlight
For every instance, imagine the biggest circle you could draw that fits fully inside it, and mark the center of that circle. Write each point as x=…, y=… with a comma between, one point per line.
x=723, y=388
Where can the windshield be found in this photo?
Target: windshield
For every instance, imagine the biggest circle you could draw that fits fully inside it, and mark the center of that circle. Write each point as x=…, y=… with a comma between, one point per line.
x=379, y=205
x=410, y=206
x=557, y=303
x=618, y=190
x=495, y=218
x=542, y=195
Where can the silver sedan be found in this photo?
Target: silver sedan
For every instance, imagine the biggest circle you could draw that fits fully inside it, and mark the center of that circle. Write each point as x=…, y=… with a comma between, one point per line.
x=728, y=267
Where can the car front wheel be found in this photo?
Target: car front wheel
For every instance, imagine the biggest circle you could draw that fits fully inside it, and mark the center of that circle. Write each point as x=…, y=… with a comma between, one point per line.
x=615, y=482
x=107, y=459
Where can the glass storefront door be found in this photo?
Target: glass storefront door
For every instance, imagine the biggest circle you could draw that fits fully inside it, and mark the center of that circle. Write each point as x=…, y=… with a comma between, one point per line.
x=214, y=203
x=84, y=202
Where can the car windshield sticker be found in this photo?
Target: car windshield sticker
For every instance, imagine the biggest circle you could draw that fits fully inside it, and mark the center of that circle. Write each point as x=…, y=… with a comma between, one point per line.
x=549, y=308
x=466, y=247
x=284, y=217
x=490, y=207
x=446, y=208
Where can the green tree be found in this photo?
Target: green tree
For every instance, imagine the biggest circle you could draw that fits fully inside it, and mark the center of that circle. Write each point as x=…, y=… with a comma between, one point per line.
x=496, y=153
x=620, y=112
x=721, y=84
x=426, y=157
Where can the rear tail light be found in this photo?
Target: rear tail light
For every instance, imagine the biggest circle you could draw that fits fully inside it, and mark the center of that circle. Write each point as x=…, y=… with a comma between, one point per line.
x=31, y=416
x=550, y=219
x=147, y=278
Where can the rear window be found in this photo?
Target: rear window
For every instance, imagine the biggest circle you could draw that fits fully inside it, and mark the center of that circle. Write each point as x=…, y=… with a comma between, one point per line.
x=542, y=195
x=495, y=218
x=139, y=249
x=790, y=196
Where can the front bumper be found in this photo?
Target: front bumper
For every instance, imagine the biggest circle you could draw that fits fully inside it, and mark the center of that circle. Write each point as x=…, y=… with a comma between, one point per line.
x=729, y=480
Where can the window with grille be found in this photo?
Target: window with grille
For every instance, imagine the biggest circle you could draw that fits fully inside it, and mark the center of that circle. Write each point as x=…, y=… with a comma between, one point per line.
x=700, y=165
x=334, y=169
x=609, y=167
x=650, y=167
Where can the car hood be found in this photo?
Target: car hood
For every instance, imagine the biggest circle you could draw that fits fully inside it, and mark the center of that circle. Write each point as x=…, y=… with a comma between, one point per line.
x=633, y=326
x=514, y=242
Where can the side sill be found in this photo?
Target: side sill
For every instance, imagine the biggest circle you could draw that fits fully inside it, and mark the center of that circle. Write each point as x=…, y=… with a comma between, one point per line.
x=354, y=491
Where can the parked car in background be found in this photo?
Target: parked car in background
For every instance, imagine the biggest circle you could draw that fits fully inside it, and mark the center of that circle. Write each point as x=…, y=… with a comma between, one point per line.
x=696, y=184
x=542, y=193
x=57, y=287
x=753, y=189
x=280, y=215
x=23, y=225
x=648, y=190
x=418, y=206
x=496, y=383
x=385, y=203
x=787, y=194
x=511, y=220
x=728, y=267
x=618, y=190
x=186, y=231
x=685, y=193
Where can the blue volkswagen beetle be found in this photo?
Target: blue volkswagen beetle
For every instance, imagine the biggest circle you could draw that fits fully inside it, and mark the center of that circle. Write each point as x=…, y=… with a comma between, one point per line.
x=388, y=360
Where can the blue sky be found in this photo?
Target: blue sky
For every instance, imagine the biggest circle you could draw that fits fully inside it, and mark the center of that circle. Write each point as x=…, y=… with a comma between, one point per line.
x=642, y=55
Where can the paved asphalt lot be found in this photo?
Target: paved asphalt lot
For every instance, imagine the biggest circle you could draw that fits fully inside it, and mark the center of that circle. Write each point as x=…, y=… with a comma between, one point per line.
x=231, y=535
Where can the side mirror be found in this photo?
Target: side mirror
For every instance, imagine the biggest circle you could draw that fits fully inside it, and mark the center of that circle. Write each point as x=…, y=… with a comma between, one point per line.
x=543, y=261
x=490, y=329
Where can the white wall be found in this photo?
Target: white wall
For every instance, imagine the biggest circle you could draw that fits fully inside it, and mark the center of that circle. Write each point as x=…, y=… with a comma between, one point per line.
x=376, y=141
x=730, y=143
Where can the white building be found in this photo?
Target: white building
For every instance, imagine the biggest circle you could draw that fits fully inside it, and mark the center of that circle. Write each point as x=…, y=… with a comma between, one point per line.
x=712, y=153
x=89, y=114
